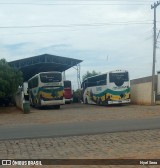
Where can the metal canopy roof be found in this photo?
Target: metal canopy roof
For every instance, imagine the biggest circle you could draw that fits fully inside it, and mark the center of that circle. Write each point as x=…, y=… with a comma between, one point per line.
x=43, y=63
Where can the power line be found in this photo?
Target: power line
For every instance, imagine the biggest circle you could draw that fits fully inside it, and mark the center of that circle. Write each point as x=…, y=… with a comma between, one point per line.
x=59, y=30
x=76, y=25
x=98, y=0
x=69, y=4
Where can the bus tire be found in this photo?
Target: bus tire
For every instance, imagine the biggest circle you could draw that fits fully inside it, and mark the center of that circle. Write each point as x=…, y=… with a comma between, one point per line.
x=31, y=103
x=100, y=102
x=86, y=101
x=57, y=107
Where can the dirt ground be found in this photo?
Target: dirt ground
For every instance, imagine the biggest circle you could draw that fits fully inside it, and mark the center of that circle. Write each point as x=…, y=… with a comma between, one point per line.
x=76, y=113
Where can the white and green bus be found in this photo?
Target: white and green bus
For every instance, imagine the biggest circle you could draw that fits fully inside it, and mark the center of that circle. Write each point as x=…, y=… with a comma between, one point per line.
x=46, y=89
x=109, y=88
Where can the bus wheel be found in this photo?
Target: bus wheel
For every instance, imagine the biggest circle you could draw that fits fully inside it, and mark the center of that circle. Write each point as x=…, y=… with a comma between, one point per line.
x=31, y=103
x=57, y=107
x=100, y=102
x=86, y=101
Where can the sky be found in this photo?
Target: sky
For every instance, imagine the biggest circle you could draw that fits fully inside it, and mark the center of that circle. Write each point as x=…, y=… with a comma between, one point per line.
x=106, y=35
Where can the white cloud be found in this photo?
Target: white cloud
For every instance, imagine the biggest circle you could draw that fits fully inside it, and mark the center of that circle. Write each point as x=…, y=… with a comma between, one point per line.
x=113, y=45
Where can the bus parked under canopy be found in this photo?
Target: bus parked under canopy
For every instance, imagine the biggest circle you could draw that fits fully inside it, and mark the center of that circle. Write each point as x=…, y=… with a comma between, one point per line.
x=68, y=93
x=46, y=88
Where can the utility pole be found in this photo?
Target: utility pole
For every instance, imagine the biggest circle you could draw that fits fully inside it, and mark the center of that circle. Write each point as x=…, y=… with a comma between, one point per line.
x=154, y=54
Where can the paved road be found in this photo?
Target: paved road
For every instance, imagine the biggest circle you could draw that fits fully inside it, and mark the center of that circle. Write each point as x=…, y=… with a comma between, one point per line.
x=78, y=128
x=142, y=144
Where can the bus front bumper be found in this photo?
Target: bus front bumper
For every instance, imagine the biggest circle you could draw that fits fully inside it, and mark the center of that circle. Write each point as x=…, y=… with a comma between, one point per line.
x=68, y=100
x=52, y=102
x=119, y=101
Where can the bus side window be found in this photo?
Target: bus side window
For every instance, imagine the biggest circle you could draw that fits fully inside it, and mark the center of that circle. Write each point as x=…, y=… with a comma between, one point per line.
x=35, y=82
x=30, y=84
x=102, y=80
x=85, y=85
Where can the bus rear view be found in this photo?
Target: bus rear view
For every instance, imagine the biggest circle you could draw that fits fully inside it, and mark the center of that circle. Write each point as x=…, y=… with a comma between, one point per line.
x=68, y=93
x=119, y=86
x=46, y=89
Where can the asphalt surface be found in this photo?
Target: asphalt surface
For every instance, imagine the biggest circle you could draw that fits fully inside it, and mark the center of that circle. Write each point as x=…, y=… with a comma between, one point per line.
x=77, y=128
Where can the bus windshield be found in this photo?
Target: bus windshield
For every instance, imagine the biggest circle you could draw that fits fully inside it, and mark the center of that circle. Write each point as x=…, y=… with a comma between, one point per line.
x=50, y=77
x=67, y=84
x=118, y=78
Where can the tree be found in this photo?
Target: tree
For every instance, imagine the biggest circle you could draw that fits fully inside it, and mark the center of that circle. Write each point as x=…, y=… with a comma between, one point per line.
x=89, y=74
x=77, y=96
x=10, y=79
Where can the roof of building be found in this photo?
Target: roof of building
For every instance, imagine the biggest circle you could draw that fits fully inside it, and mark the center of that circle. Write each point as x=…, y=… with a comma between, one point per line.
x=43, y=63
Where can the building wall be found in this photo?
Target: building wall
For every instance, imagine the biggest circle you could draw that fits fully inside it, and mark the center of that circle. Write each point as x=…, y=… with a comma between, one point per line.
x=141, y=93
x=19, y=98
x=141, y=90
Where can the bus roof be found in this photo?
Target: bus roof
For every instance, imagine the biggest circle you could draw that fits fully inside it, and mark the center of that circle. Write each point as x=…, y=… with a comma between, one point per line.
x=113, y=71
x=44, y=73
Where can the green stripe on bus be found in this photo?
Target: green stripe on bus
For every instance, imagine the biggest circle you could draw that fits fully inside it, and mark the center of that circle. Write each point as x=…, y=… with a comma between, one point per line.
x=109, y=91
x=51, y=90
